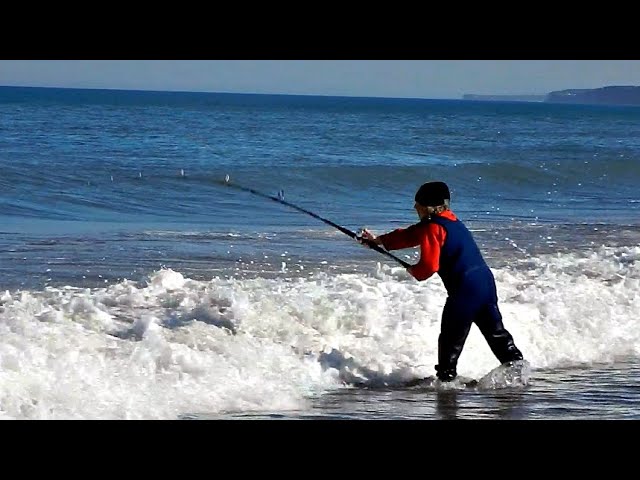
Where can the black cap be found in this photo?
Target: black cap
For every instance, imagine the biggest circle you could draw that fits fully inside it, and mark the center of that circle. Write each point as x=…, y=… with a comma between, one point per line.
x=432, y=194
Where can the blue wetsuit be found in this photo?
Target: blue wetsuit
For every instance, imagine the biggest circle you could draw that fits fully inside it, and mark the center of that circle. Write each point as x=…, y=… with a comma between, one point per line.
x=472, y=298
x=448, y=248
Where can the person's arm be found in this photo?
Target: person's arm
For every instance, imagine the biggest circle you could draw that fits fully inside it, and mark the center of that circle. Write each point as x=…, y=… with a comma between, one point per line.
x=402, y=237
x=430, y=246
x=430, y=237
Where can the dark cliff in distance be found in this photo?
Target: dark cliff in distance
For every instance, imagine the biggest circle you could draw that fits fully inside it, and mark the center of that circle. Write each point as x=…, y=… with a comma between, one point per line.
x=612, y=95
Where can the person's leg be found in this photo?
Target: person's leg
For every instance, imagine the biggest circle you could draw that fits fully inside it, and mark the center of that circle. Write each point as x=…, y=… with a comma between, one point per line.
x=457, y=318
x=500, y=341
x=489, y=321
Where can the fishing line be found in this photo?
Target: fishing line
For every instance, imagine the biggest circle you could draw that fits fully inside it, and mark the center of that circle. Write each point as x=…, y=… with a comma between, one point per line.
x=280, y=199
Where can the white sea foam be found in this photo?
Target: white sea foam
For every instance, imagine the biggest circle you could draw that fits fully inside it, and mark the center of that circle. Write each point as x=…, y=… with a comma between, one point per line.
x=172, y=345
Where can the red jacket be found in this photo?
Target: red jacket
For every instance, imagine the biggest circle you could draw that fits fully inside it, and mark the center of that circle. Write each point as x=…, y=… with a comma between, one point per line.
x=429, y=236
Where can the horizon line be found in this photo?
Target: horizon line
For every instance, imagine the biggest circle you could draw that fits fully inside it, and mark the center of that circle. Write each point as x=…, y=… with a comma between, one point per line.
x=118, y=89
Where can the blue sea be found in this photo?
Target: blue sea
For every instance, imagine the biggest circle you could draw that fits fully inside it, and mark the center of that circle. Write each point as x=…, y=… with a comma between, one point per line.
x=134, y=284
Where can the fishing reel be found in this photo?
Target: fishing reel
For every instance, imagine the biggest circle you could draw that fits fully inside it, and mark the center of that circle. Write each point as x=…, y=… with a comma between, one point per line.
x=360, y=238
x=360, y=233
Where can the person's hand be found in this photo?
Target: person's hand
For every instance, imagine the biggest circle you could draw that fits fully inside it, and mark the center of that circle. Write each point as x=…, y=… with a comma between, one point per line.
x=367, y=238
x=367, y=235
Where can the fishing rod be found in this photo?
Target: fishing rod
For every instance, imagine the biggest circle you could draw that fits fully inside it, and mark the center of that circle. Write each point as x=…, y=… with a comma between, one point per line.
x=346, y=231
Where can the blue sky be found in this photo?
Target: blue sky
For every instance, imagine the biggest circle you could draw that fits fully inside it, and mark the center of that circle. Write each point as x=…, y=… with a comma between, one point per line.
x=375, y=78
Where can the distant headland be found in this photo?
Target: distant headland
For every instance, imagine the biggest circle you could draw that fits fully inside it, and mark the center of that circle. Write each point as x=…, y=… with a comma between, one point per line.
x=611, y=95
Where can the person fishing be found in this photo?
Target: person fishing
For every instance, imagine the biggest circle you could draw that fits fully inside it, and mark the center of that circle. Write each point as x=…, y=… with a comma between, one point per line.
x=448, y=248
